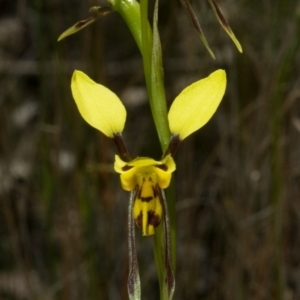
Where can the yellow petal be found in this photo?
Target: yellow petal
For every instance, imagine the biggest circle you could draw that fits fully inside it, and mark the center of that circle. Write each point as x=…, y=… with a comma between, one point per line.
x=99, y=106
x=143, y=162
x=119, y=164
x=133, y=173
x=196, y=104
x=163, y=178
x=170, y=163
x=164, y=175
x=147, y=208
x=129, y=180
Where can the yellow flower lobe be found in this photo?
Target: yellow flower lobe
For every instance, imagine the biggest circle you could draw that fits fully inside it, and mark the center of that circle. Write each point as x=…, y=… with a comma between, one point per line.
x=98, y=105
x=196, y=104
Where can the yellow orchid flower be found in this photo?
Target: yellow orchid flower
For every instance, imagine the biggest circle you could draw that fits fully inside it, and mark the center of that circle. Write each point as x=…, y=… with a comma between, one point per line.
x=145, y=177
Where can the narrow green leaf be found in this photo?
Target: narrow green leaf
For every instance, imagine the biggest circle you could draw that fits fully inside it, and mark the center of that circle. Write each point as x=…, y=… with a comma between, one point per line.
x=222, y=20
x=162, y=256
x=133, y=284
x=190, y=12
x=157, y=81
x=97, y=12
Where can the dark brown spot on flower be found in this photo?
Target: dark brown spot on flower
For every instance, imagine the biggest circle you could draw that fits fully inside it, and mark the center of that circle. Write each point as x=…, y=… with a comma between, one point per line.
x=153, y=219
x=154, y=192
x=146, y=199
x=162, y=167
x=139, y=220
x=126, y=168
x=139, y=193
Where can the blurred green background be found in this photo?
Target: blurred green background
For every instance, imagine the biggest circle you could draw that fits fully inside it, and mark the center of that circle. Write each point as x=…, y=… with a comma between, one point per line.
x=63, y=213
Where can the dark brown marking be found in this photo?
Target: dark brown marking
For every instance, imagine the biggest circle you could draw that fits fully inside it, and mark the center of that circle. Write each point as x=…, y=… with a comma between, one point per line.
x=139, y=220
x=173, y=145
x=139, y=193
x=162, y=167
x=153, y=219
x=126, y=168
x=154, y=191
x=119, y=142
x=146, y=199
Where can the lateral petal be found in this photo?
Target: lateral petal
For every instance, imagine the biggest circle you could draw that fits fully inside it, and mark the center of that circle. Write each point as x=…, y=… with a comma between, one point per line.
x=99, y=106
x=196, y=104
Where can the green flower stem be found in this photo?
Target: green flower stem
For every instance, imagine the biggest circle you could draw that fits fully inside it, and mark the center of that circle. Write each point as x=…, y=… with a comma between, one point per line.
x=164, y=236
x=131, y=10
x=151, y=52
x=136, y=17
x=147, y=41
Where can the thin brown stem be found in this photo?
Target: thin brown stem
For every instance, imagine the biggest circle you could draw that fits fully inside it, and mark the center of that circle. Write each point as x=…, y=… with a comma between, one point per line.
x=173, y=145
x=120, y=144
